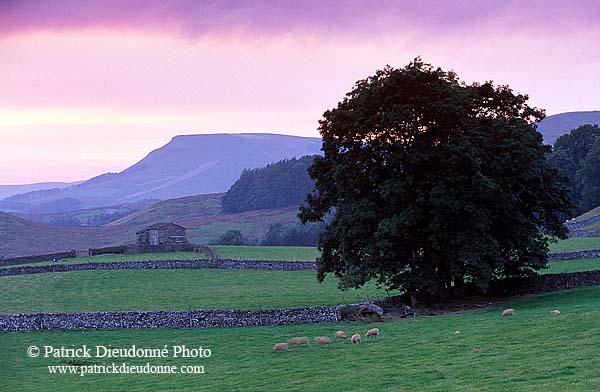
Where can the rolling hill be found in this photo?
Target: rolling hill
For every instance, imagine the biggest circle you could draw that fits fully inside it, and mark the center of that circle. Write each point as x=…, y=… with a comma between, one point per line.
x=21, y=237
x=201, y=215
x=173, y=209
x=90, y=217
x=187, y=165
x=11, y=190
x=559, y=124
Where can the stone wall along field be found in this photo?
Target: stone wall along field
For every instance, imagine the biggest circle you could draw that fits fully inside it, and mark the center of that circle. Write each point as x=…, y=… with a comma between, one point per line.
x=38, y=258
x=267, y=265
x=165, y=319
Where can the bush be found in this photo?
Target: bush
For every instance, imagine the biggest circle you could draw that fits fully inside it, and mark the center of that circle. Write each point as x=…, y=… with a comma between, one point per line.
x=231, y=237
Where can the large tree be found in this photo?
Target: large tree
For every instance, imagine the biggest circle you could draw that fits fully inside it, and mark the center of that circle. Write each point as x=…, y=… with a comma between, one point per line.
x=433, y=183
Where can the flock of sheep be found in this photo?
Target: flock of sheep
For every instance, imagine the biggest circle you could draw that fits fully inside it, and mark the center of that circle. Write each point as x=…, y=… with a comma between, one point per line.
x=324, y=340
x=511, y=312
x=355, y=339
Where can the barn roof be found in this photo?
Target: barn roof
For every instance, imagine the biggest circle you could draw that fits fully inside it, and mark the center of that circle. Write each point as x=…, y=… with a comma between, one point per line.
x=158, y=226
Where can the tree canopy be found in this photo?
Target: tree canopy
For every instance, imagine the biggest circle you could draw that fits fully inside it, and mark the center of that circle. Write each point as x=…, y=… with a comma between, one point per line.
x=433, y=183
x=281, y=184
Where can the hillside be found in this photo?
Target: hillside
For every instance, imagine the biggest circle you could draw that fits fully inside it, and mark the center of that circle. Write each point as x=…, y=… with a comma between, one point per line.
x=201, y=215
x=282, y=184
x=91, y=217
x=21, y=237
x=559, y=124
x=11, y=190
x=187, y=165
x=173, y=209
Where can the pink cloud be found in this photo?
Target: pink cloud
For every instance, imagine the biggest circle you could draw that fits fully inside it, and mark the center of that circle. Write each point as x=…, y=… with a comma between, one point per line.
x=263, y=17
x=77, y=75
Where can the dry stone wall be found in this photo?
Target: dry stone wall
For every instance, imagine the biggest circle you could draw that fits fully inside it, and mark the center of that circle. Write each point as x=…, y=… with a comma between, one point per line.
x=164, y=264
x=165, y=319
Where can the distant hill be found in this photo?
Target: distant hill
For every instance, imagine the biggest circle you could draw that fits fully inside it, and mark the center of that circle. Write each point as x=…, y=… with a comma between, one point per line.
x=187, y=165
x=281, y=184
x=559, y=124
x=174, y=209
x=200, y=215
x=20, y=237
x=11, y=190
x=91, y=217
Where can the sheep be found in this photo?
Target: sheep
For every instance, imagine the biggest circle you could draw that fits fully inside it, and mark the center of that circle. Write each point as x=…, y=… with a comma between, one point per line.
x=280, y=347
x=322, y=340
x=355, y=339
x=340, y=335
x=555, y=312
x=457, y=332
x=298, y=341
x=508, y=312
x=372, y=332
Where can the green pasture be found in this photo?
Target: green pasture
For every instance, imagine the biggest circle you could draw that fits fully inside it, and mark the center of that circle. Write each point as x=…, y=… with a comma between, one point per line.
x=118, y=290
x=531, y=351
x=287, y=253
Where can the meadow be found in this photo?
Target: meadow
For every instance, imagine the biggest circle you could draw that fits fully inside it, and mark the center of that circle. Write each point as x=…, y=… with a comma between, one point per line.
x=113, y=257
x=556, y=267
x=575, y=244
x=119, y=290
x=285, y=253
x=531, y=351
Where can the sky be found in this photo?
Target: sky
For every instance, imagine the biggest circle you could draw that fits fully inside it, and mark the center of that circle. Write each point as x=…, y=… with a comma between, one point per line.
x=92, y=87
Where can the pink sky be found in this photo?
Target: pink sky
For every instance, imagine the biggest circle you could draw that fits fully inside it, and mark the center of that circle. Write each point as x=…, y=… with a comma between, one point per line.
x=91, y=87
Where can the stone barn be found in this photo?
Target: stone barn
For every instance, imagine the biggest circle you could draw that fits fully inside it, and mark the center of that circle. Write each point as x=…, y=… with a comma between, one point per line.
x=162, y=237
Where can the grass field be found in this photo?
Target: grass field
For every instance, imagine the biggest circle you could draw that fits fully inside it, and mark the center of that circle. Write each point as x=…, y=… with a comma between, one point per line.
x=592, y=226
x=287, y=253
x=531, y=351
x=140, y=257
x=170, y=290
x=574, y=244
x=555, y=267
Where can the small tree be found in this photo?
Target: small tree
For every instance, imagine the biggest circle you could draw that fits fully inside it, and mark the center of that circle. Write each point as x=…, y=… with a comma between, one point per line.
x=231, y=237
x=431, y=183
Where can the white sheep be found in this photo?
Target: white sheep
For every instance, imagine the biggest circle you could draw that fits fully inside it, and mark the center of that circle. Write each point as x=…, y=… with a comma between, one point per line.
x=508, y=312
x=322, y=340
x=555, y=312
x=372, y=332
x=340, y=335
x=280, y=347
x=298, y=341
x=355, y=339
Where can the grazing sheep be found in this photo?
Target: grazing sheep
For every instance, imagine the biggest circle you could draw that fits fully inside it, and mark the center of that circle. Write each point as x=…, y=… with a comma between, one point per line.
x=322, y=340
x=355, y=339
x=280, y=347
x=508, y=312
x=555, y=312
x=340, y=335
x=298, y=341
x=457, y=332
x=372, y=332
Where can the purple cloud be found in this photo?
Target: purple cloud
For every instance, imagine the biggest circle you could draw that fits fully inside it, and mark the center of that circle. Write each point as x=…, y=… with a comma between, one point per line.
x=194, y=18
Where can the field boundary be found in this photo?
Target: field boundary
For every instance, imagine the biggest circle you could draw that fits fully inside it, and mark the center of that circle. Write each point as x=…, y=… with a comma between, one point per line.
x=539, y=284
x=578, y=254
x=265, y=265
x=200, y=318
